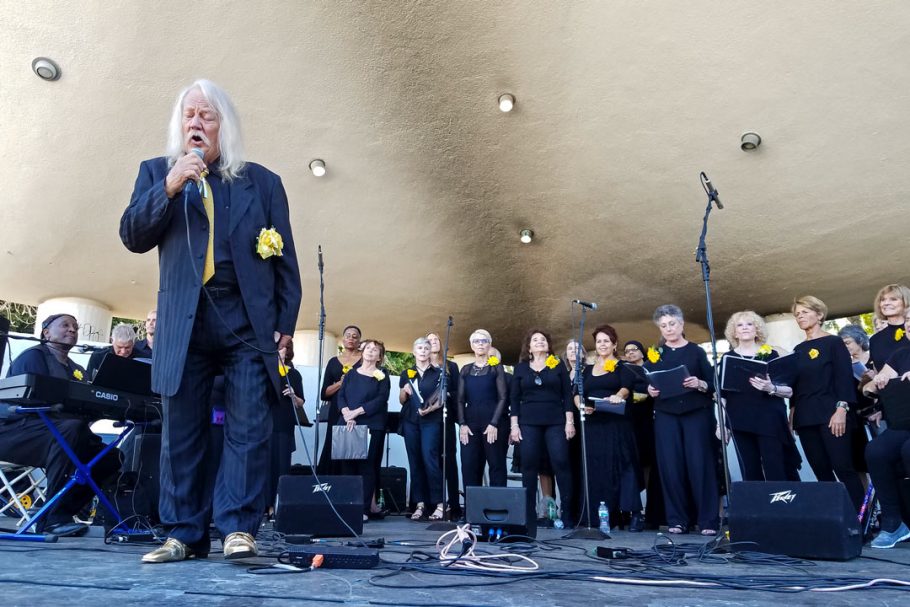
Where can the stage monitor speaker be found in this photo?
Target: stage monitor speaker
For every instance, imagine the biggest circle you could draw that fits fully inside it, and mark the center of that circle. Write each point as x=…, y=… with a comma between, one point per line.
x=302, y=507
x=502, y=510
x=803, y=520
x=393, y=481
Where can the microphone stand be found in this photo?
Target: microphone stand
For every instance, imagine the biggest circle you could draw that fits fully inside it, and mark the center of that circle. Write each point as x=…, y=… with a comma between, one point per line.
x=587, y=532
x=445, y=524
x=319, y=401
x=701, y=256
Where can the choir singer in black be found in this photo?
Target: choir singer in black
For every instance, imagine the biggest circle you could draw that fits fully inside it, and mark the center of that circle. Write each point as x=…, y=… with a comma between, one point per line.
x=542, y=418
x=683, y=427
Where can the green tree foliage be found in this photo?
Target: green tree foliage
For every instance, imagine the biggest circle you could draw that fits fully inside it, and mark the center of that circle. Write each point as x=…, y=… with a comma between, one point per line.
x=22, y=317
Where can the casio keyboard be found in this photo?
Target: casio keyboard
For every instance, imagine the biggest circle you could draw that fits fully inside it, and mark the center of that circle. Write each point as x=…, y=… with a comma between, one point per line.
x=79, y=398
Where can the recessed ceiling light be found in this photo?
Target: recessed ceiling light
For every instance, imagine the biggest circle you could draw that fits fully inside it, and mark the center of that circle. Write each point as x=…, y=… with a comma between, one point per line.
x=506, y=102
x=526, y=236
x=45, y=69
x=749, y=141
x=317, y=166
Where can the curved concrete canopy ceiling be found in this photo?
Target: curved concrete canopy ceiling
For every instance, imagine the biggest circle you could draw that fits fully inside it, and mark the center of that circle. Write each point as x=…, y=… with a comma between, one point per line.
x=619, y=106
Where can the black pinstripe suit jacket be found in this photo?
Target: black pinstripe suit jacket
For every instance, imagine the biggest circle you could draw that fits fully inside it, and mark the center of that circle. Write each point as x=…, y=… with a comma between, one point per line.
x=270, y=287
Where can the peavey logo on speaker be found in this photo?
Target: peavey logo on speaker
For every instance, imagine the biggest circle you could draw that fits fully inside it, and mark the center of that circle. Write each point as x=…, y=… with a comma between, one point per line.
x=785, y=497
x=324, y=487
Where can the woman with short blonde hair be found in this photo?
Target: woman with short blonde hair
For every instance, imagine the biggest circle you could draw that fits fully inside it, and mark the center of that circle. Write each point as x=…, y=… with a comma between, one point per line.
x=891, y=303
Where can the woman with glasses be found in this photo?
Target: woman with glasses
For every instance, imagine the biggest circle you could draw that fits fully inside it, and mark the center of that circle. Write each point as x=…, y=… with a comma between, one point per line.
x=482, y=415
x=684, y=426
x=542, y=418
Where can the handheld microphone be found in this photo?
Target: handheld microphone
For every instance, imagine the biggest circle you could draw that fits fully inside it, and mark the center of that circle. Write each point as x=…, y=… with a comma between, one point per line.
x=587, y=304
x=198, y=184
x=712, y=192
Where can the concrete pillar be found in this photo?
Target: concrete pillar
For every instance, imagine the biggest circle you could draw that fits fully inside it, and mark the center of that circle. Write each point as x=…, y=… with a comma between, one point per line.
x=783, y=330
x=306, y=348
x=94, y=317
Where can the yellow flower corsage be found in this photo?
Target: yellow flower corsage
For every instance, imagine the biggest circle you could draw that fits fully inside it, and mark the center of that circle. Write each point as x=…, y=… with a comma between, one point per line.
x=269, y=243
x=492, y=361
x=345, y=369
x=899, y=334
x=765, y=349
x=610, y=365
x=282, y=370
x=378, y=375
x=653, y=354
x=77, y=374
x=412, y=373
x=813, y=353
x=552, y=361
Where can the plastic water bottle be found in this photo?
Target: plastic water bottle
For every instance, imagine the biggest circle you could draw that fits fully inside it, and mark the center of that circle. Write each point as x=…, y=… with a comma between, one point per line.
x=381, y=502
x=603, y=513
x=552, y=514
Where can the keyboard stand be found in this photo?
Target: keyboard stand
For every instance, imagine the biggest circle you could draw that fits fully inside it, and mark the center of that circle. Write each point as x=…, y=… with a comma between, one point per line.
x=82, y=476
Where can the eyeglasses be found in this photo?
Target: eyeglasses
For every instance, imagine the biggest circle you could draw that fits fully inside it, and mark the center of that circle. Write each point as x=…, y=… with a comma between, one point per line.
x=630, y=350
x=482, y=340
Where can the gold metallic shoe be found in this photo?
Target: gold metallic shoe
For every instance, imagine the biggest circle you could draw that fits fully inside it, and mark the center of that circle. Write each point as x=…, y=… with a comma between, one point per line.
x=171, y=552
x=239, y=545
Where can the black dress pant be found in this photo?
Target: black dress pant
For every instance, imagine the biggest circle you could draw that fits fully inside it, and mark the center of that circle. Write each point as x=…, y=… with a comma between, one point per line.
x=888, y=458
x=761, y=457
x=29, y=442
x=281, y=445
x=450, y=465
x=552, y=439
x=688, y=469
x=831, y=459
x=479, y=453
x=368, y=469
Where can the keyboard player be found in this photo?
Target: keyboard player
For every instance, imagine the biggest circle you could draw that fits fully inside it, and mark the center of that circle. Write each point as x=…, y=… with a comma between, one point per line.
x=25, y=440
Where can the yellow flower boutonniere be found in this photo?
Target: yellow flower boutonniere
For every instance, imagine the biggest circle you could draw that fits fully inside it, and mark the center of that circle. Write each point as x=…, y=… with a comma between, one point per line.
x=282, y=370
x=899, y=334
x=813, y=353
x=764, y=352
x=77, y=374
x=269, y=243
x=653, y=355
x=552, y=361
x=412, y=373
x=378, y=375
x=345, y=369
x=610, y=365
x=492, y=361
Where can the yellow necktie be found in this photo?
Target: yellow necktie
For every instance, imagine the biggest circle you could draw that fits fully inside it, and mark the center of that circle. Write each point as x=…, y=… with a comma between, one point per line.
x=208, y=202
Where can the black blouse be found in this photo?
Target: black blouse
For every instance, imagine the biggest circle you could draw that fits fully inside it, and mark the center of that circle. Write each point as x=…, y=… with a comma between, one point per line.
x=545, y=404
x=900, y=361
x=885, y=343
x=490, y=402
x=824, y=376
x=754, y=411
x=426, y=384
x=366, y=391
x=334, y=371
x=284, y=418
x=696, y=361
x=606, y=385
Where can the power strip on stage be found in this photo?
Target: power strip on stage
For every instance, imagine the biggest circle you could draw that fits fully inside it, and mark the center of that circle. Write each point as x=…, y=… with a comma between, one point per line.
x=334, y=557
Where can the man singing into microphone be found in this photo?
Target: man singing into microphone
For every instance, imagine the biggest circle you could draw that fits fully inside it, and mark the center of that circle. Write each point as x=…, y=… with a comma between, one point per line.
x=228, y=301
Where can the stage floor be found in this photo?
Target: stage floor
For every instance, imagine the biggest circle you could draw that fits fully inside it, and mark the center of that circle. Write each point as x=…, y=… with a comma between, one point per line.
x=86, y=570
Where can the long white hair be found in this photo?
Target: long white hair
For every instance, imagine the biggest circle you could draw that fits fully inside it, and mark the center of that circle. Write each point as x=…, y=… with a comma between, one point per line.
x=230, y=140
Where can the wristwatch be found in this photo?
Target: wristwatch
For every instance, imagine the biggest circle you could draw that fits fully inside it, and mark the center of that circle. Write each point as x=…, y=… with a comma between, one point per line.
x=842, y=405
